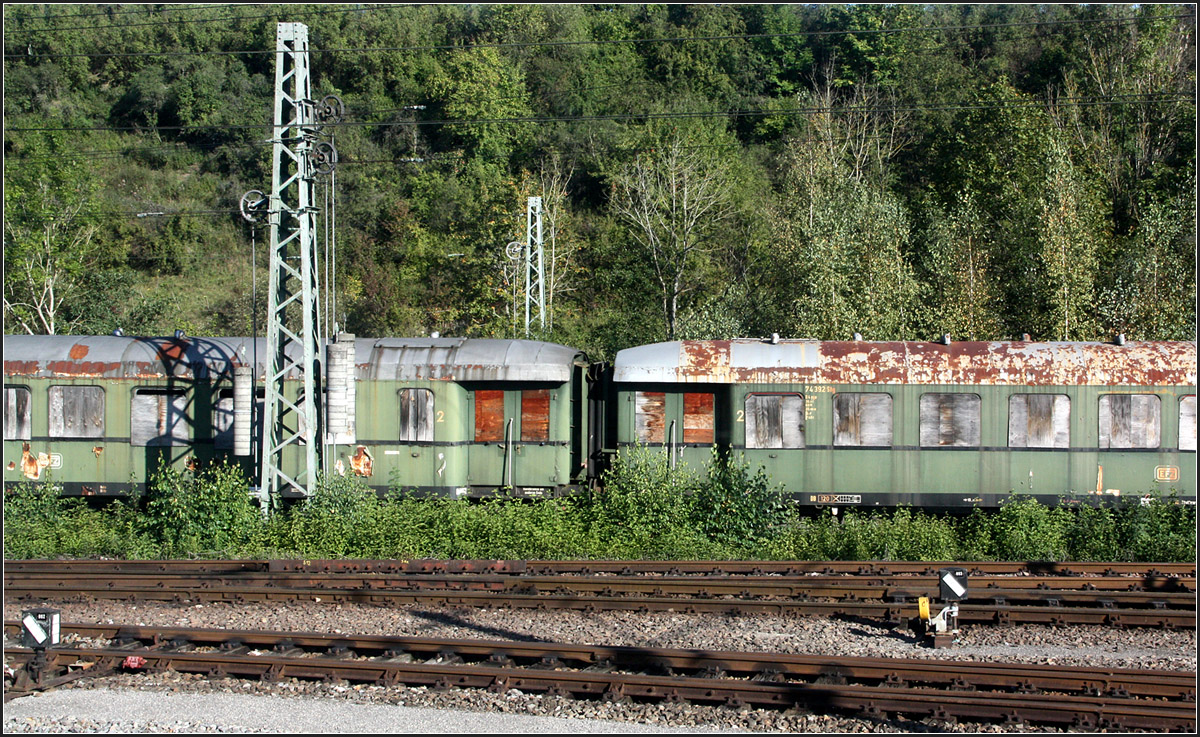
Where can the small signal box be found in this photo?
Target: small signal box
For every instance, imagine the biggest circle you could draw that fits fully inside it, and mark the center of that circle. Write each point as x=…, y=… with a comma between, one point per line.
x=952, y=584
x=40, y=628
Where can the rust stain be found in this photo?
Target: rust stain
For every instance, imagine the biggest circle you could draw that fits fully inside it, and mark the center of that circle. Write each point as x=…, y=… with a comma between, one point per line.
x=362, y=463
x=1149, y=363
x=78, y=351
x=97, y=450
x=12, y=465
x=192, y=463
x=31, y=465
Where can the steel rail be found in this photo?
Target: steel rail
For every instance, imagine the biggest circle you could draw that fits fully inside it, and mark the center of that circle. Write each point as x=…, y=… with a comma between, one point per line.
x=1091, y=680
x=585, y=567
x=893, y=696
x=895, y=612
x=1112, y=593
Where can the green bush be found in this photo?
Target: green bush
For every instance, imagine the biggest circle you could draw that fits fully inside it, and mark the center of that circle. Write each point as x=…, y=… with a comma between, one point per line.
x=201, y=515
x=40, y=523
x=646, y=510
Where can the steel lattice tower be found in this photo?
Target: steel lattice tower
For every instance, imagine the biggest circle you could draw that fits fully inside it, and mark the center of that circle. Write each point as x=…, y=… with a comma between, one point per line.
x=294, y=339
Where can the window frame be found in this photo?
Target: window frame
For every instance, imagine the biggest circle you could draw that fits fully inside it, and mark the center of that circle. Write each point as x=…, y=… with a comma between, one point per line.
x=173, y=439
x=840, y=439
x=57, y=424
x=973, y=423
x=22, y=423
x=751, y=419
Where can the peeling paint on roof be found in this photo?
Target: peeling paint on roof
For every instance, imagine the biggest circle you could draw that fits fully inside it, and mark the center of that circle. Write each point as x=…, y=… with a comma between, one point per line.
x=1147, y=363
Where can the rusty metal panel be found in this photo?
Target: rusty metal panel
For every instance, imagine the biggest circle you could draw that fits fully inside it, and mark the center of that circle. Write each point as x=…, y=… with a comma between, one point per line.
x=1039, y=421
x=416, y=415
x=698, y=418
x=862, y=419
x=950, y=420
x=1002, y=363
x=158, y=417
x=489, y=415
x=650, y=413
x=1130, y=421
x=1187, y=422
x=774, y=421
x=18, y=424
x=535, y=415
x=76, y=412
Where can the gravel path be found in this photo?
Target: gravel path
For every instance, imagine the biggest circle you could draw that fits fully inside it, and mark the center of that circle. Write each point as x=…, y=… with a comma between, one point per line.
x=1117, y=648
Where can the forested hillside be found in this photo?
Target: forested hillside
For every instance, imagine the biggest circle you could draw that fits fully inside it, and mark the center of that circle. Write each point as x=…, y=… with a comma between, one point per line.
x=900, y=172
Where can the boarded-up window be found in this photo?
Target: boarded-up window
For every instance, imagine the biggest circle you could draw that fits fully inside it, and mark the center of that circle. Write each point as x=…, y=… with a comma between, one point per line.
x=950, y=420
x=416, y=415
x=774, y=421
x=17, y=422
x=698, y=418
x=76, y=412
x=1187, y=423
x=1039, y=421
x=1130, y=421
x=489, y=415
x=650, y=409
x=535, y=415
x=863, y=420
x=158, y=417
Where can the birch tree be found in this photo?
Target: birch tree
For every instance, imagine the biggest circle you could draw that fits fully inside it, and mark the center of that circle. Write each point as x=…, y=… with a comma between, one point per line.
x=674, y=199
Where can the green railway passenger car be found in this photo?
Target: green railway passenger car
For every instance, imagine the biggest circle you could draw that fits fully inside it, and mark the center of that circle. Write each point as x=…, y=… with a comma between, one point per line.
x=928, y=424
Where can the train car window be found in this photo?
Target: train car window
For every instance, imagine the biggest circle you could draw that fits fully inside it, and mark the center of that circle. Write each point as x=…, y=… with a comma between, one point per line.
x=489, y=415
x=1039, y=421
x=698, y=418
x=950, y=420
x=535, y=415
x=1187, y=423
x=774, y=421
x=650, y=411
x=1130, y=421
x=76, y=412
x=862, y=420
x=158, y=417
x=18, y=424
x=416, y=415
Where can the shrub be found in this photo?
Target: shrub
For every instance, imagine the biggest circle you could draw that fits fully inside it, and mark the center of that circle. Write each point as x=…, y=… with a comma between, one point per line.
x=40, y=523
x=205, y=515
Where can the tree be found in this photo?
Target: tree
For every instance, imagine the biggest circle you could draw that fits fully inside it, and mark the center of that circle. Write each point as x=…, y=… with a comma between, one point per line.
x=964, y=296
x=49, y=236
x=673, y=197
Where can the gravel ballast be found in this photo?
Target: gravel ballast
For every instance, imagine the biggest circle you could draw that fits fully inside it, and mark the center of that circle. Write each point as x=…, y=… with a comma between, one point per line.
x=1141, y=648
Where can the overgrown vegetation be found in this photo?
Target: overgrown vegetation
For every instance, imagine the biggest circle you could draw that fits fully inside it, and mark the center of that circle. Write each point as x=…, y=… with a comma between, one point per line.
x=647, y=510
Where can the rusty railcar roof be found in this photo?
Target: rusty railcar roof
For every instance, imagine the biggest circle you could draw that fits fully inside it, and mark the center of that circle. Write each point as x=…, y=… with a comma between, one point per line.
x=404, y=359
x=1149, y=363
x=120, y=357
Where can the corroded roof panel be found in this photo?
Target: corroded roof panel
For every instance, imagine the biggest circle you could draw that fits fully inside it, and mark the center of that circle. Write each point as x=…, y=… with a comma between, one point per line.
x=1148, y=363
x=113, y=357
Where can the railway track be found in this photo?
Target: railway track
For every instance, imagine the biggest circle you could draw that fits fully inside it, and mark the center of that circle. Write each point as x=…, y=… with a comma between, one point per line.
x=947, y=690
x=1156, y=595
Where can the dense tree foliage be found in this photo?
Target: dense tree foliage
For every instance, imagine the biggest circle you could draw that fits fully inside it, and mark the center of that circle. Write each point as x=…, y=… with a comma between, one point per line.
x=896, y=171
